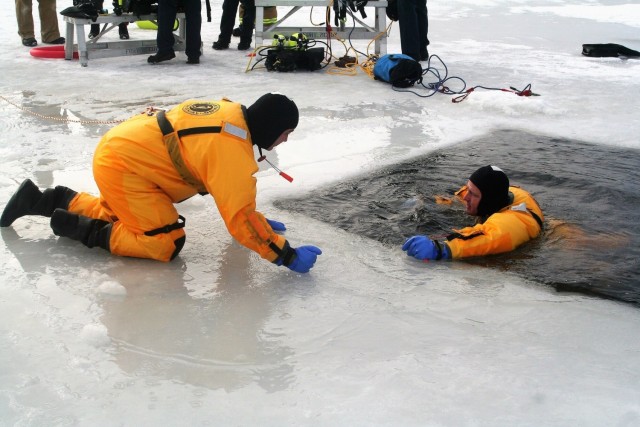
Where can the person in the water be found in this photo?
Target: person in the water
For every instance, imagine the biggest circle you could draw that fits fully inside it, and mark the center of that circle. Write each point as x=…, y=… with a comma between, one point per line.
x=507, y=217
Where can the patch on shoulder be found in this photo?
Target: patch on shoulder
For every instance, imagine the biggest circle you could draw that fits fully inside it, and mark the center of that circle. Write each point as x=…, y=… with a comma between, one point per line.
x=201, y=108
x=522, y=207
x=234, y=130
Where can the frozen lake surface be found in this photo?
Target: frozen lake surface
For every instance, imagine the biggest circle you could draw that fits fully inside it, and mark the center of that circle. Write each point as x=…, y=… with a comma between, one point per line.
x=369, y=337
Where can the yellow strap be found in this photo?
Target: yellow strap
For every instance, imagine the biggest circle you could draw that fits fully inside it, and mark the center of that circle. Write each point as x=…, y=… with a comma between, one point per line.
x=172, y=143
x=173, y=147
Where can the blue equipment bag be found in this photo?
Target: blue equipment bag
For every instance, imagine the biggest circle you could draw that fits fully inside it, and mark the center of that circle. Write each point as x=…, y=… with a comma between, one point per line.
x=398, y=69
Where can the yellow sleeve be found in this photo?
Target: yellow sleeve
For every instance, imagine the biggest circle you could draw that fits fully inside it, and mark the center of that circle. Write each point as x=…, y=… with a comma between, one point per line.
x=501, y=232
x=226, y=167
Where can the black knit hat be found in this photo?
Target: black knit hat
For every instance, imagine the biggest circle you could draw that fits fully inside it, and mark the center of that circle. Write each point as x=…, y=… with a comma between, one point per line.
x=269, y=116
x=494, y=186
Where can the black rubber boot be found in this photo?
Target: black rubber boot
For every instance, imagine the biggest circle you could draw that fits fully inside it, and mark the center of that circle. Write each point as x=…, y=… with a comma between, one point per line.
x=220, y=45
x=90, y=232
x=29, y=200
x=159, y=57
x=244, y=44
x=95, y=30
x=123, y=31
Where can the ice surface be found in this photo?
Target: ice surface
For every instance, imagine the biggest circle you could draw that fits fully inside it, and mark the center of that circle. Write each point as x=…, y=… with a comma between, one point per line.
x=369, y=337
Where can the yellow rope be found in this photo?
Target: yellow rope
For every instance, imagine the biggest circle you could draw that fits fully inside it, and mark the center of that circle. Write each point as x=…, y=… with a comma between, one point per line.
x=60, y=119
x=252, y=56
x=366, y=66
x=350, y=69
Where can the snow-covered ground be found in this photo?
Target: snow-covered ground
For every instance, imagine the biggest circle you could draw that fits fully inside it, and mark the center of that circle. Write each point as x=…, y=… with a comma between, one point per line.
x=369, y=337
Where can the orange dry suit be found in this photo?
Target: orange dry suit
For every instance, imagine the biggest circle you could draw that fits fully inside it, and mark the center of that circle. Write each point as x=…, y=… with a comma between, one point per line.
x=502, y=231
x=151, y=161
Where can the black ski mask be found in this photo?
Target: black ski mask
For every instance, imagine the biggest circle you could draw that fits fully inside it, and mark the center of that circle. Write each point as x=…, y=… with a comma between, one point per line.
x=269, y=116
x=494, y=186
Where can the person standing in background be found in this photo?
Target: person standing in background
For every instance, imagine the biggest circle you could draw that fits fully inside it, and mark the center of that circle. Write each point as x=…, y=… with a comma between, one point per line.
x=229, y=10
x=167, y=11
x=270, y=18
x=49, y=30
x=414, y=26
x=123, y=31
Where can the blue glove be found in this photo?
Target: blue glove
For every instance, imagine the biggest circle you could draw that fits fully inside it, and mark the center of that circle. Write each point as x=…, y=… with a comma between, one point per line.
x=422, y=247
x=305, y=258
x=276, y=225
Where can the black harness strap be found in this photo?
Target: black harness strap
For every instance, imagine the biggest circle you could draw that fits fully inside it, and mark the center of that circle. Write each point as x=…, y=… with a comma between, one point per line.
x=462, y=237
x=167, y=228
x=537, y=218
x=165, y=126
x=195, y=131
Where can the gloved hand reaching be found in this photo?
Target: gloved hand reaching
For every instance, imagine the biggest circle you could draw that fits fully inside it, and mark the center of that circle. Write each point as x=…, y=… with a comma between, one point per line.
x=422, y=247
x=277, y=226
x=305, y=258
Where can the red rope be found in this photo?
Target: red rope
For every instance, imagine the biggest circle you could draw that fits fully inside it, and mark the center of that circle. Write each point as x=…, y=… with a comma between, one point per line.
x=524, y=92
x=461, y=98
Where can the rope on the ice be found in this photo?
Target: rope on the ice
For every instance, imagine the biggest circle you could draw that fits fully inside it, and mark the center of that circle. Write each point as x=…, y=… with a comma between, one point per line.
x=60, y=119
x=443, y=78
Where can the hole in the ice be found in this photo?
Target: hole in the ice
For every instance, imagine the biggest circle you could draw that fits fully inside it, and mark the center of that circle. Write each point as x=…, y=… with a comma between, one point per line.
x=588, y=193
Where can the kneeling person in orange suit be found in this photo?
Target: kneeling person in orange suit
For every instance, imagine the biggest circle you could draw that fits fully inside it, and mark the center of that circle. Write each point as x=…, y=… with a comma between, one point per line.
x=507, y=218
x=151, y=161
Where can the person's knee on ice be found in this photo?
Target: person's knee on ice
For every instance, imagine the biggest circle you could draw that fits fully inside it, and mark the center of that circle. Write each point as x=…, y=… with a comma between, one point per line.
x=115, y=238
x=164, y=246
x=90, y=232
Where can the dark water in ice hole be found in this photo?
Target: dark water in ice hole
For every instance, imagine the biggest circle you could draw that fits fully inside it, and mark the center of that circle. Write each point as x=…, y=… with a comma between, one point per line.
x=590, y=195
